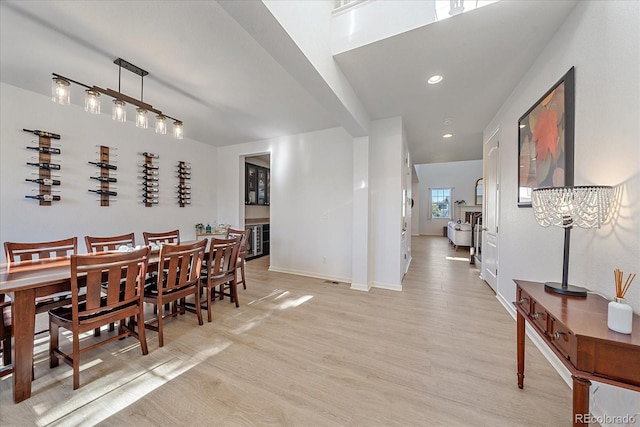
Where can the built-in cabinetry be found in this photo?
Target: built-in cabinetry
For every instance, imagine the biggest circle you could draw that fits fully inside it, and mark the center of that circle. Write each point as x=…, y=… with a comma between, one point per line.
x=256, y=185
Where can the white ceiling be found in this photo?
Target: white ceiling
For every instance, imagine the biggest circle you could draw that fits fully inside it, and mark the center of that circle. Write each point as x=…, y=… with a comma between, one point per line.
x=206, y=70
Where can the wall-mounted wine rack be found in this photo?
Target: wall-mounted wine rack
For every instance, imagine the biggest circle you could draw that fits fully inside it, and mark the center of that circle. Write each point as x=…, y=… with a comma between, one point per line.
x=45, y=179
x=183, y=170
x=150, y=179
x=106, y=177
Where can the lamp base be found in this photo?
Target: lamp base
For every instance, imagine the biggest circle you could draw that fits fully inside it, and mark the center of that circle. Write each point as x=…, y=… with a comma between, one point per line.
x=570, y=290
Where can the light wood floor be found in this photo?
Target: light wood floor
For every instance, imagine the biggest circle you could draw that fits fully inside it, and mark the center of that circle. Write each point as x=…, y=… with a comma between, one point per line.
x=303, y=352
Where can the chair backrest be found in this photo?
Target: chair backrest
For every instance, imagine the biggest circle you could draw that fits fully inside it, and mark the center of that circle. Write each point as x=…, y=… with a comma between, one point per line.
x=112, y=280
x=181, y=265
x=111, y=243
x=223, y=257
x=164, y=237
x=244, y=237
x=40, y=250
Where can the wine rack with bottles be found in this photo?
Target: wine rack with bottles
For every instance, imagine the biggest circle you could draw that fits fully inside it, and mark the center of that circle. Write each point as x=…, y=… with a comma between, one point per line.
x=183, y=170
x=46, y=164
x=149, y=179
x=105, y=178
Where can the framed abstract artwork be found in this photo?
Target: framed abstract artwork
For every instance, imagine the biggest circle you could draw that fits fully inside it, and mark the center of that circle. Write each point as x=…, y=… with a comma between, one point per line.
x=545, y=140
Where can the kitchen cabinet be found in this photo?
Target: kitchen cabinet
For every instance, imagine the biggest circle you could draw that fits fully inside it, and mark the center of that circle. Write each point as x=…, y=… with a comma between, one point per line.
x=257, y=185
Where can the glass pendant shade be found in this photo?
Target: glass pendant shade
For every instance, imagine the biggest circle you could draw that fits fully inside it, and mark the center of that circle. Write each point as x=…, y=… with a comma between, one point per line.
x=60, y=92
x=177, y=130
x=92, y=101
x=161, y=125
x=119, y=112
x=141, y=118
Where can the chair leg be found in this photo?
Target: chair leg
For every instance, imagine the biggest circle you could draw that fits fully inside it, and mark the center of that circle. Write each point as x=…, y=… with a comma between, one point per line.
x=234, y=291
x=198, y=310
x=142, y=336
x=209, y=292
x=53, y=344
x=160, y=316
x=244, y=284
x=76, y=362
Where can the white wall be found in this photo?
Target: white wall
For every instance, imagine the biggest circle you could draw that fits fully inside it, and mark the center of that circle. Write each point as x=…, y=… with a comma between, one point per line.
x=462, y=176
x=386, y=173
x=600, y=38
x=79, y=213
x=311, y=200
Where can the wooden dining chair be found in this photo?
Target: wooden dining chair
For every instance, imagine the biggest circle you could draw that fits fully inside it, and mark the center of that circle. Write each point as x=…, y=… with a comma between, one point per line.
x=111, y=243
x=15, y=252
x=164, y=237
x=119, y=301
x=220, y=271
x=180, y=266
x=242, y=252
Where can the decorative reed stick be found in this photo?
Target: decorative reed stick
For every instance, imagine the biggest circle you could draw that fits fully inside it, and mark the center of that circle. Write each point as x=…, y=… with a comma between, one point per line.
x=621, y=289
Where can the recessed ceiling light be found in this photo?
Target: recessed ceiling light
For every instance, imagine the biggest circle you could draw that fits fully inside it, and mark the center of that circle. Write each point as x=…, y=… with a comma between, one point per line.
x=447, y=135
x=434, y=79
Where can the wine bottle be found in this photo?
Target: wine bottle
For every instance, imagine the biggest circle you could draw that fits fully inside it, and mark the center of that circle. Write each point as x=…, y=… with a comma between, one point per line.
x=105, y=192
x=148, y=166
x=184, y=186
x=184, y=176
x=150, y=172
x=150, y=195
x=151, y=155
x=150, y=184
x=44, y=197
x=150, y=189
x=184, y=171
x=43, y=133
x=149, y=178
x=104, y=178
x=52, y=166
x=104, y=165
x=184, y=166
x=46, y=150
x=153, y=201
x=44, y=181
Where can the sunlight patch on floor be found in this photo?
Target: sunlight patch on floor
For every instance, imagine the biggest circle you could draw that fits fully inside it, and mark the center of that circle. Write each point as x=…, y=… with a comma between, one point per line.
x=453, y=258
x=88, y=406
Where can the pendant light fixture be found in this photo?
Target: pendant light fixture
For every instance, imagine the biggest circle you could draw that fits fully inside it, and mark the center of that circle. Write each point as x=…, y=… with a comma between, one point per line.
x=161, y=124
x=92, y=101
x=177, y=130
x=60, y=94
x=60, y=90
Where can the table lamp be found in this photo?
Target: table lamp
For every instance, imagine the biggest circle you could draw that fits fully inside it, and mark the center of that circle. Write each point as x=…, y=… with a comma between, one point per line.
x=584, y=206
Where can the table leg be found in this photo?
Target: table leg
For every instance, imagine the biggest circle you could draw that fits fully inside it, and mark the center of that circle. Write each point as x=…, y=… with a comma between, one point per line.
x=520, y=348
x=24, y=319
x=580, y=401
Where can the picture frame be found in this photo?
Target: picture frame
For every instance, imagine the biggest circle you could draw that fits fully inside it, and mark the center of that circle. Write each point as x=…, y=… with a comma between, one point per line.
x=546, y=140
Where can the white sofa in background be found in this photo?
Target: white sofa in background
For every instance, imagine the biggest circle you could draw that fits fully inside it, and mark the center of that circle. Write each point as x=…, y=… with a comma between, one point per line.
x=459, y=234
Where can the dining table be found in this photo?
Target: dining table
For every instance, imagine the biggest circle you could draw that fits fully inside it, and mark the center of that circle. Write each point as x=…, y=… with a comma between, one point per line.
x=28, y=280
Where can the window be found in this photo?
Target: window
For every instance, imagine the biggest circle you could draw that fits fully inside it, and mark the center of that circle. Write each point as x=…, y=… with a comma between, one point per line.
x=441, y=203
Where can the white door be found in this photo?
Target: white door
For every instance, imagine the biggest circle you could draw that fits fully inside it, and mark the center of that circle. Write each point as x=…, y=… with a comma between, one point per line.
x=490, y=215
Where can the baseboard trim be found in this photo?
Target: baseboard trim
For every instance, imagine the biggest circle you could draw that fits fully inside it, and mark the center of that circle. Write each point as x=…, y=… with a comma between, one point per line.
x=310, y=274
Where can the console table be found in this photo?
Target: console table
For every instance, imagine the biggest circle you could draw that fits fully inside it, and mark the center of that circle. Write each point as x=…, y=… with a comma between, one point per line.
x=575, y=329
